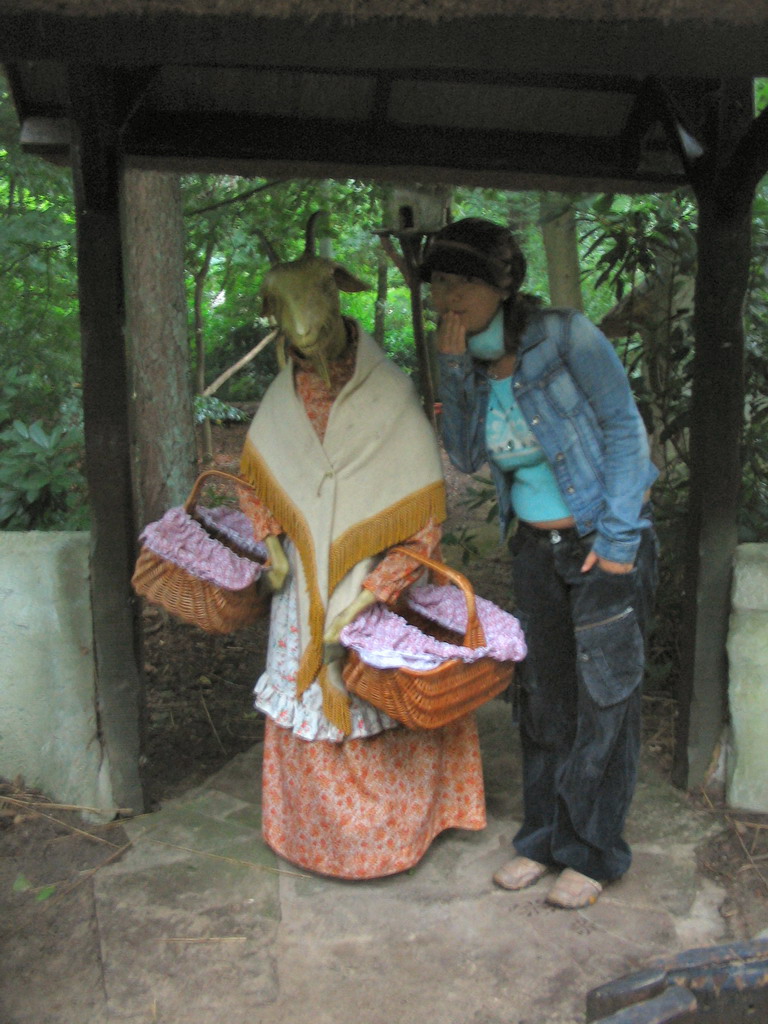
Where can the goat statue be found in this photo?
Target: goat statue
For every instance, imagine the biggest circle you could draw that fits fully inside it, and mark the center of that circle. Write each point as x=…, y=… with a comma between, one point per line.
x=302, y=299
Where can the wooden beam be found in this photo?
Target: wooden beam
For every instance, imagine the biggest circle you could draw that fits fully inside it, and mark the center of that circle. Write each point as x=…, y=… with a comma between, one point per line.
x=95, y=165
x=531, y=161
x=208, y=137
x=531, y=45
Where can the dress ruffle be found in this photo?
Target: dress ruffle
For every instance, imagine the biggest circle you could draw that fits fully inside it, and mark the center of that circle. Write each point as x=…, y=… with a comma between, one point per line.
x=275, y=692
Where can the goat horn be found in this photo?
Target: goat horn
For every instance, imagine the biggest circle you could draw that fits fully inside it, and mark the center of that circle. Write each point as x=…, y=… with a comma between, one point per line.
x=272, y=256
x=309, y=239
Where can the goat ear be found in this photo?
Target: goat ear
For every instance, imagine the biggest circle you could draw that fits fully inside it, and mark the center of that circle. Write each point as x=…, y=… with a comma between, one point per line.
x=347, y=282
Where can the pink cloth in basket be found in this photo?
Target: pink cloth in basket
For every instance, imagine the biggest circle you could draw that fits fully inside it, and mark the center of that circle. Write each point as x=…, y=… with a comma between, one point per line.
x=385, y=639
x=235, y=526
x=179, y=539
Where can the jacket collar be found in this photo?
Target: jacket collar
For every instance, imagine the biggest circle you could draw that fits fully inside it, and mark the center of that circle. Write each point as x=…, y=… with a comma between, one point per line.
x=534, y=333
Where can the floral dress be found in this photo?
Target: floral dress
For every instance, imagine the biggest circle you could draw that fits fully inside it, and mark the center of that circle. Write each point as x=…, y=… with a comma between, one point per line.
x=370, y=803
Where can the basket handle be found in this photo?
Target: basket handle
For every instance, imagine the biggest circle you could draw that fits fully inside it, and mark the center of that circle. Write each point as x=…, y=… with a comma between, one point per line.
x=474, y=635
x=189, y=504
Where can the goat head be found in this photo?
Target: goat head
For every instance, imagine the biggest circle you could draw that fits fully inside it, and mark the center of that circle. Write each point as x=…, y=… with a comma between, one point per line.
x=302, y=298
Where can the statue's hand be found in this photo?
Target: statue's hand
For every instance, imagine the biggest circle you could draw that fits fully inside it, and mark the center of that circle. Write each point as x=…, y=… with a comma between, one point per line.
x=363, y=600
x=278, y=563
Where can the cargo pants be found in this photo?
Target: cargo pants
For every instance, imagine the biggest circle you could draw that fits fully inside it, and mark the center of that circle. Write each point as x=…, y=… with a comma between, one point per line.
x=579, y=698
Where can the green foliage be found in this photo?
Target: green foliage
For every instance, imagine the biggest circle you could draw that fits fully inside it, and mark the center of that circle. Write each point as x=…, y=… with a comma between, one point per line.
x=39, y=330
x=208, y=407
x=629, y=240
x=41, y=482
x=754, y=504
x=482, y=495
x=23, y=884
x=41, y=436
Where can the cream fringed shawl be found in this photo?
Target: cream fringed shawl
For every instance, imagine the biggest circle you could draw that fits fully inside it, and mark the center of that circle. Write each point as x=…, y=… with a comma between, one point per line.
x=374, y=481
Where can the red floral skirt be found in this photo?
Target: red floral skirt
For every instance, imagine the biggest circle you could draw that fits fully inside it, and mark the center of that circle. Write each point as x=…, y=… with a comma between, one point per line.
x=369, y=807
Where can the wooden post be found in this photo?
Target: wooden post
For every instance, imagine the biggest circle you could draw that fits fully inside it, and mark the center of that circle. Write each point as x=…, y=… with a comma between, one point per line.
x=95, y=166
x=725, y=199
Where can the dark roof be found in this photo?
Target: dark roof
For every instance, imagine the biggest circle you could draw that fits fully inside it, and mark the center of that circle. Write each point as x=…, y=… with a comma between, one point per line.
x=583, y=94
x=721, y=12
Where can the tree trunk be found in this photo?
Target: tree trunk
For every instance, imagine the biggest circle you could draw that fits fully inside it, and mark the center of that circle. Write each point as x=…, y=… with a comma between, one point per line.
x=163, y=421
x=558, y=231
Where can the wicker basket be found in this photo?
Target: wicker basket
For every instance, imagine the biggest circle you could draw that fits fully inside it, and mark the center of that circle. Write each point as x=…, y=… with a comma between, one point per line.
x=195, y=600
x=433, y=698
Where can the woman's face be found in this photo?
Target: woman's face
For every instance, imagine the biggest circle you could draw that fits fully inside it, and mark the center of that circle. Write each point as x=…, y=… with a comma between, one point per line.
x=473, y=300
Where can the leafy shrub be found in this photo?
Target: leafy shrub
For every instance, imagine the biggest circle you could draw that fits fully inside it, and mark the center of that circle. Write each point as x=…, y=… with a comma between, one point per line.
x=480, y=496
x=41, y=480
x=208, y=407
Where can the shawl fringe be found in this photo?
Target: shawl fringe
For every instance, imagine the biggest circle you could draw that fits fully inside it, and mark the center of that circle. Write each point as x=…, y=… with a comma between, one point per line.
x=377, y=533
x=390, y=526
x=257, y=473
x=335, y=701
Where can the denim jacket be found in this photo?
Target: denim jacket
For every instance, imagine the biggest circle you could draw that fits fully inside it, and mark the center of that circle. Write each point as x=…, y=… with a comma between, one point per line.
x=574, y=394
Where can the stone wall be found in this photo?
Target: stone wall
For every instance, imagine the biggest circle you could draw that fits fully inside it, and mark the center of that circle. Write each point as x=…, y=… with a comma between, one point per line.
x=747, y=767
x=49, y=730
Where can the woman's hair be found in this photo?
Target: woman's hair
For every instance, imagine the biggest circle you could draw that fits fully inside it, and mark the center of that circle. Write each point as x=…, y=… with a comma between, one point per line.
x=475, y=247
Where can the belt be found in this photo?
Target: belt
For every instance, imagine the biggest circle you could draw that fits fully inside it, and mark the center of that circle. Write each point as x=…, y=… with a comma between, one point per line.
x=550, y=536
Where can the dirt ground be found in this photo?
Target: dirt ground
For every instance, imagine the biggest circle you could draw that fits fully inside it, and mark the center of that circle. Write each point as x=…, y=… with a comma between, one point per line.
x=199, y=715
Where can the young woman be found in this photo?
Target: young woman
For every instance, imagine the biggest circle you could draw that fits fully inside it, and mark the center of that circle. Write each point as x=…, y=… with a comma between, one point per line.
x=541, y=396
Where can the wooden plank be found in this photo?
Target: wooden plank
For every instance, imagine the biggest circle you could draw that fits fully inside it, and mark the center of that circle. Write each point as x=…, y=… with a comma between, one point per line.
x=673, y=1006
x=627, y=990
x=727, y=983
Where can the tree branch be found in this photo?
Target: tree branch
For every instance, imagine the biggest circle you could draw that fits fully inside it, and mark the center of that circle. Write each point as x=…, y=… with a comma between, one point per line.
x=236, y=199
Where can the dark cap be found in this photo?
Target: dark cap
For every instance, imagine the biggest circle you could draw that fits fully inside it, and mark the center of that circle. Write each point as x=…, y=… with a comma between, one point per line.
x=475, y=247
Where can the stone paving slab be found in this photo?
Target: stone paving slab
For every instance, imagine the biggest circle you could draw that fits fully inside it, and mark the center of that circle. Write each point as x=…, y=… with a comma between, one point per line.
x=187, y=930
x=199, y=922
x=27, y=963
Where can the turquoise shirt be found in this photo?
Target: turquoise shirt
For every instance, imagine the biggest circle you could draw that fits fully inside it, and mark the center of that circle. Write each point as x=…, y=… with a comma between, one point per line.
x=533, y=489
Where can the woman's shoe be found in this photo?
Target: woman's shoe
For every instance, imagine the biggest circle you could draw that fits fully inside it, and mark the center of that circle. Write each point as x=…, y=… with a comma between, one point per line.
x=519, y=873
x=572, y=890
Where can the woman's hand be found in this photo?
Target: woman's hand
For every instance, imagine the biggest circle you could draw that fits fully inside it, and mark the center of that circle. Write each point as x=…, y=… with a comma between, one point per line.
x=451, y=336
x=616, y=568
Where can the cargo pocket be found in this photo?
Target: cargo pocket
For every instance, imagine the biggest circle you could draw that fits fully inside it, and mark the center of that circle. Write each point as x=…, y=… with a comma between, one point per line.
x=609, y=656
